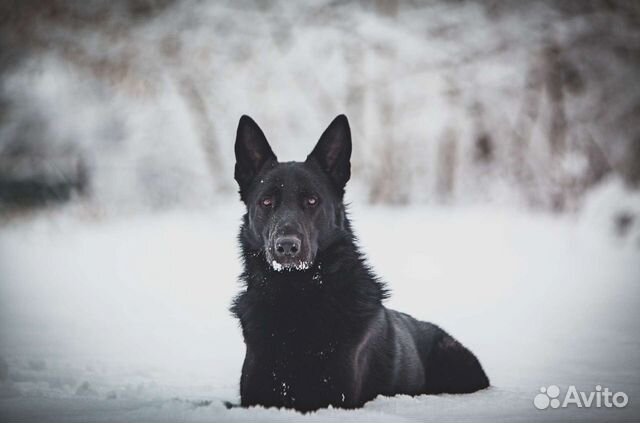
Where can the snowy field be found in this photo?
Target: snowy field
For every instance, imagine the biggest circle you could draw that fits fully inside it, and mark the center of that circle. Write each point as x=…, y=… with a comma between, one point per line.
x=125, y=318
x=114, y=307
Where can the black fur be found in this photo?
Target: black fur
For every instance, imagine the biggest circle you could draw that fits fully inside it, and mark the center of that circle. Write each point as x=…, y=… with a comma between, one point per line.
x=315, y=329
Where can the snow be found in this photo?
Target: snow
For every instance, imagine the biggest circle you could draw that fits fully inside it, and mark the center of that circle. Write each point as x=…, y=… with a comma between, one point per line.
x=115, y=307
x=154, y=122
x=126, y=318
x=276, y=266
x=301, y=265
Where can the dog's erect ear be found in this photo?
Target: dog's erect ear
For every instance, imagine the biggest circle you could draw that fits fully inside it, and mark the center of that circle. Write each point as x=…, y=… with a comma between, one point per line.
x=333, y=151
x=252, y=152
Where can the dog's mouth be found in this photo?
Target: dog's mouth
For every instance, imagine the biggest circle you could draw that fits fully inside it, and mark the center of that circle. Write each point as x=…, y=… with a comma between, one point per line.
x=289, y=251
x=287, y=262
x=289, y=265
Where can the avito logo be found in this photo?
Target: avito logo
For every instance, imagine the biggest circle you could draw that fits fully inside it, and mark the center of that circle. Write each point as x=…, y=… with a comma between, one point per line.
x=549, y=396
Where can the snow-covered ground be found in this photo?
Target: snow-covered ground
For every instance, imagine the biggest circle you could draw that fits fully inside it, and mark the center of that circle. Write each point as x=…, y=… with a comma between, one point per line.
x=126, y=318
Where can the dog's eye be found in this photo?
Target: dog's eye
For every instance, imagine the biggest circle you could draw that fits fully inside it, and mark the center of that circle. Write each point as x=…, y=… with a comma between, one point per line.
x=266, y=202
x=311, y=201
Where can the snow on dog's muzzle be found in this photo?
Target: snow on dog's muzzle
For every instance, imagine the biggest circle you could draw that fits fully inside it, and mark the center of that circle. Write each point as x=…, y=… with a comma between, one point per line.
x=288, y=252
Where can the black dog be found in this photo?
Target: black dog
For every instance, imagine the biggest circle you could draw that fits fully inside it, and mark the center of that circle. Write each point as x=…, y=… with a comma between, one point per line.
x=312, y=317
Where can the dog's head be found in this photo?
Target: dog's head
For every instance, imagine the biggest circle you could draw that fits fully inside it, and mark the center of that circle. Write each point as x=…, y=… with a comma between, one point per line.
x=294, y=209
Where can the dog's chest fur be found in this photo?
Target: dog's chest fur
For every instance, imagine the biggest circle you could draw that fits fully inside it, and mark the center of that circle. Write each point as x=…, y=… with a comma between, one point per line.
x=302, y=329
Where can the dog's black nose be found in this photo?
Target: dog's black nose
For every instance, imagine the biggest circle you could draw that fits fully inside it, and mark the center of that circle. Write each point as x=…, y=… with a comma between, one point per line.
x=287, y=246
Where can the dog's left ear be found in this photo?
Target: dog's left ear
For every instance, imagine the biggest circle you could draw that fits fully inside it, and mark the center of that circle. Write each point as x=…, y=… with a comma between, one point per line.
x=252, y=153
x=333, y=151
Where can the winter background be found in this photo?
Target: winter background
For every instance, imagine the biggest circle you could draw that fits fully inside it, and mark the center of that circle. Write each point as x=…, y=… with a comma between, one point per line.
x=497, y=142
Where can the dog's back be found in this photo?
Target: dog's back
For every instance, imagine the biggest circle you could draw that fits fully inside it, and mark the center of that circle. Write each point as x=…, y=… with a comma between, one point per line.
x=447, y=366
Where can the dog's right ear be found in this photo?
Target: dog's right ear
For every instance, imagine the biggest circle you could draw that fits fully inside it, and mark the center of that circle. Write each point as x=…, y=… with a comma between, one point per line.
x=252, y=153
x=333, y=152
